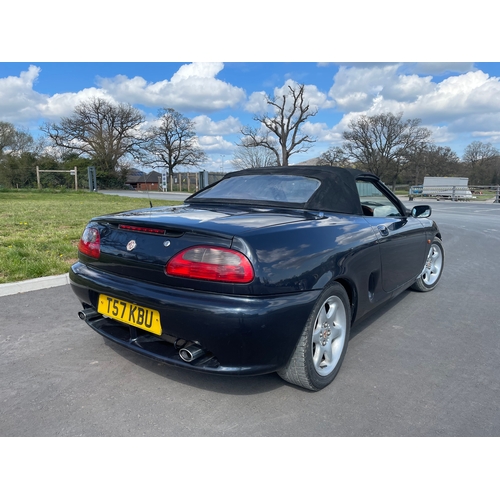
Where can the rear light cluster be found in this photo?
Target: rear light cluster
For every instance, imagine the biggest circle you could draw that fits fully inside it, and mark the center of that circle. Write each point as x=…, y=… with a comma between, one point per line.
x=212, y=264
x=90, y=242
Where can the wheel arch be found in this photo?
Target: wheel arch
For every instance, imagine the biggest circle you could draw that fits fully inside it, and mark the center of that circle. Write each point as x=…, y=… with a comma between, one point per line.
x=352, y=294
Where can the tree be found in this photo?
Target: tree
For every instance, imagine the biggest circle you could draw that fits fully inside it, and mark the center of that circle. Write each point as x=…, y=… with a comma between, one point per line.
x=282, y=135
x=17, y=156
x=7, y=134
x=18, y=171
x=104, y=132
x=434, y=161
x=383, y=144
x=173, y=142
x=13, y=139
x=335, y=157
x=482, y=162
x=252, y=157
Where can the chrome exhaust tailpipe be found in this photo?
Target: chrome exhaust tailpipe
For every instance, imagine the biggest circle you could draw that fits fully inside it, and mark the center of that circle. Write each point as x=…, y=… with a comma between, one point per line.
x=191, y=352
x=88, y=314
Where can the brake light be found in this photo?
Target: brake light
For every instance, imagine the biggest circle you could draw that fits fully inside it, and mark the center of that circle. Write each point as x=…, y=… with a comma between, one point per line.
x=212, y=264
x=140, y=229
x=90, y=242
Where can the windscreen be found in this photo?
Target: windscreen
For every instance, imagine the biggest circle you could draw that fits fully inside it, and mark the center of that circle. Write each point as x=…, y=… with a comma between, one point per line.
x=272, y=188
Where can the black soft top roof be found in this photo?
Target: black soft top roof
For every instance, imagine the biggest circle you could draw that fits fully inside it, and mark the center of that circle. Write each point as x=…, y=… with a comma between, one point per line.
x=337, y=192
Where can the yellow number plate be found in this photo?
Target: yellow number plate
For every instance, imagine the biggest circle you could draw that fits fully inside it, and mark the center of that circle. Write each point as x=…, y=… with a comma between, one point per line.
x=132, y=314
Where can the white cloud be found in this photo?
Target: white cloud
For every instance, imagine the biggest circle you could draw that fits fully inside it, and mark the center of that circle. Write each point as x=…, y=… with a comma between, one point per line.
x=257, y=103
x=194, y=87
x=321, y=132
x=214, y=144
x=469, y=102
x=312, y=95
x=356, y=89
x=441, y=135
x=375, y=89
x=463, y=105
x=492, y=136
x=429, y=68
x=468, y=94
x=440, y=68
x=60, y=105
x=18, y=100
x=197, y=70
x=205, y=125
x=20, y=103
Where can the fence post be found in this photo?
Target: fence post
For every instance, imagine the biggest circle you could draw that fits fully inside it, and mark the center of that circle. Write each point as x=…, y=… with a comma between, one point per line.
x=91, y=172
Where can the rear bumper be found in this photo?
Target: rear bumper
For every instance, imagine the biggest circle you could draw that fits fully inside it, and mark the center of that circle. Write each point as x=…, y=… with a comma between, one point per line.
x=240, y=335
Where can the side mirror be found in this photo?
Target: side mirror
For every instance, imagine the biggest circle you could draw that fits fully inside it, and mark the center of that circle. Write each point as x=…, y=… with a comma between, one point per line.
x=421, y=211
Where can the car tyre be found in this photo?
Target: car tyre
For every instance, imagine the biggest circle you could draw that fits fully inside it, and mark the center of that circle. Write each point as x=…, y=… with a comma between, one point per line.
x=433, y=268
x=322, y=346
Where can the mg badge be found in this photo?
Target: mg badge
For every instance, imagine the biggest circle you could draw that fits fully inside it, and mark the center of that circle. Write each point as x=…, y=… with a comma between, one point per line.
x=131, y=245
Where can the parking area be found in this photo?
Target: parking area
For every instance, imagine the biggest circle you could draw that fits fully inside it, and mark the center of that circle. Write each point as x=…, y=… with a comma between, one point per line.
x=425, y=365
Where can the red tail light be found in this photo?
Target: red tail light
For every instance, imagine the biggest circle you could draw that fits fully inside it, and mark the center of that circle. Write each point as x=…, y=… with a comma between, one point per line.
x=212, y=264
x=90, y=242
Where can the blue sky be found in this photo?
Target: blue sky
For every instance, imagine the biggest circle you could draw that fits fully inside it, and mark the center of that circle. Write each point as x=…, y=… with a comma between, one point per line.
x=459, y=102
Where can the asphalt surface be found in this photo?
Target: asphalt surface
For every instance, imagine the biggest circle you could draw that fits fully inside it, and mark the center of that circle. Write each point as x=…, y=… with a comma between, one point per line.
x=427, y=364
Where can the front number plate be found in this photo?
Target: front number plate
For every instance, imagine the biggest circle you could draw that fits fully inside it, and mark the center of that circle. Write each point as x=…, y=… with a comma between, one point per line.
x=132, y=314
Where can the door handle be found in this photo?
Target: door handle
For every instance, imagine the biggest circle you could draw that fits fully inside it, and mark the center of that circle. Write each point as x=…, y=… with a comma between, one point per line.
x=384, y=231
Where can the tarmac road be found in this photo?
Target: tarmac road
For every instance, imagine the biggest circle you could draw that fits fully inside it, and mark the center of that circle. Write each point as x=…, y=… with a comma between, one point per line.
x=427, y=364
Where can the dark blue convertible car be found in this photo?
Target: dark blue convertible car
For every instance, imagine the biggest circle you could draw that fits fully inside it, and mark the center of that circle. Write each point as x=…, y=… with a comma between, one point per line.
x=264, y=271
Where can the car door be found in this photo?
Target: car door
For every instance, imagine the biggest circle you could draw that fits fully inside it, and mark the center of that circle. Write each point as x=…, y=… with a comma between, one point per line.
x=402, y=239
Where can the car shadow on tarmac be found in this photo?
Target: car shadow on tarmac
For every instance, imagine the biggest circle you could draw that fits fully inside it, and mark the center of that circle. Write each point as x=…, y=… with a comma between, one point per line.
x=235, y=385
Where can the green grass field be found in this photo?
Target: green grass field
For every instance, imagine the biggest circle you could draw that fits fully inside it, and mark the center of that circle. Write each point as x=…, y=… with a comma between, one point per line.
x=40, y=230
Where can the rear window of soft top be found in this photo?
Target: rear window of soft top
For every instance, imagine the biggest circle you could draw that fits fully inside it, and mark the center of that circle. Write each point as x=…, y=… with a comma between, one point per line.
x=273, y=188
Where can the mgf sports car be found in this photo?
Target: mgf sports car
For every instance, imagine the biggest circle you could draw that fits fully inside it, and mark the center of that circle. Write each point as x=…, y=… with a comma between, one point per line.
x=264, y=271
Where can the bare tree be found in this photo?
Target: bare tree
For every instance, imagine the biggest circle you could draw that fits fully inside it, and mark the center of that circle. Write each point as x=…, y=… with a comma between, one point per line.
x=482, y=163
x=282, y=135
x=252, y=157
x=432, y=160
x=384, y=143
x=335, y=157
x=173, y=142
x=100, y=130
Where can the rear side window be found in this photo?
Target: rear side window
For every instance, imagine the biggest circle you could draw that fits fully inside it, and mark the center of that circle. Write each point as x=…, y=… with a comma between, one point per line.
x=274, y=188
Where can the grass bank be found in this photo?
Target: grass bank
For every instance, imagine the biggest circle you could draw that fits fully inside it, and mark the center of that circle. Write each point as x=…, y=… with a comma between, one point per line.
x=40, y=230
